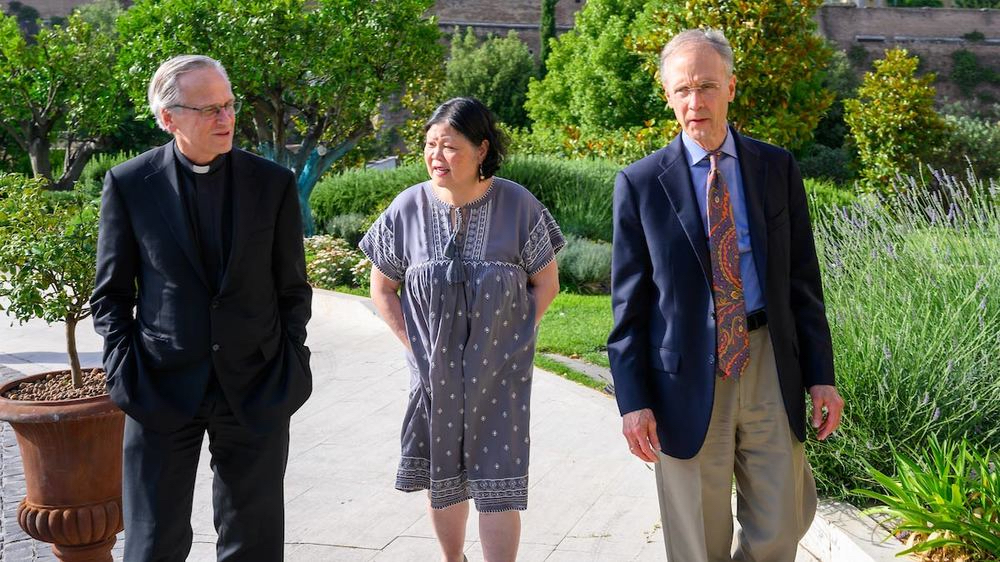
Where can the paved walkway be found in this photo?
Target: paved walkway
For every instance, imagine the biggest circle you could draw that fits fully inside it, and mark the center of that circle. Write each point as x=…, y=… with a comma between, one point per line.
x=589, y=500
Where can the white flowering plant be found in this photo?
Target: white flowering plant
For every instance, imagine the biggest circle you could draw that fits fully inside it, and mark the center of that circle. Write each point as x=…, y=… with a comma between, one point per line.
x=332, y=263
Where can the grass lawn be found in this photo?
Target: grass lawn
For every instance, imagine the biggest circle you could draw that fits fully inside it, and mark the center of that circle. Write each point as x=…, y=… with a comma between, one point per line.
x=357, y=291
x=577, y=326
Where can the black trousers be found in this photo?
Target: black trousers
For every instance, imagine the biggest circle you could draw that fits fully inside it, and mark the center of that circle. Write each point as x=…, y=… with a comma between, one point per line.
x=247, y=489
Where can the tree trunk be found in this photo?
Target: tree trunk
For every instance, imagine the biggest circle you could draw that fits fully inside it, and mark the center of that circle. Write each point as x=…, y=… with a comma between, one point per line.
x=75, y=162
x=39, y=152
x=317, y=163
x=74, y=355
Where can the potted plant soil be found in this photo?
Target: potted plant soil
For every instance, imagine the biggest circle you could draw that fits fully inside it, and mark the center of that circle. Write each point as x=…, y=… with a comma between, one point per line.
x=68, y=430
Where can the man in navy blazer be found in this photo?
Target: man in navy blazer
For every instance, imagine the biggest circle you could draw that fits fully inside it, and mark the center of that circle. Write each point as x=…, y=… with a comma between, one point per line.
x=202, y=300
x=680, y=408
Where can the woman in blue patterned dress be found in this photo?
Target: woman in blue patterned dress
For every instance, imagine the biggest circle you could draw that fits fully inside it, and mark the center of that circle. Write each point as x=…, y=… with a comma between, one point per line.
x=463, y=270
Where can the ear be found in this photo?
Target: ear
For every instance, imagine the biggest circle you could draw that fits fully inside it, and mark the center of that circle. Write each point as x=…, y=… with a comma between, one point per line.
x=167, y=118
x=484, y=147
x=732, y=88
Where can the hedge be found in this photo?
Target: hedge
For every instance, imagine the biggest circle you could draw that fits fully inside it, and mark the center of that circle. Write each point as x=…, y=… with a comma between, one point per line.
x=577, y=192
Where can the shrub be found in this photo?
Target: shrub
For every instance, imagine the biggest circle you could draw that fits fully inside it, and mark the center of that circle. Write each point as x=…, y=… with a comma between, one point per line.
x=331, y=262
x=971, y=142
x=361, y=273
x=858, y=55
x=823, y=162
x=947, y=499
x=92, y=178
x=912, y=289
x=974, y=36
x=978, y=4
x=967, y=72
x=621, y=146
x=893, y=120
x=843, y=81
x=361, y=190
x=594, y=80
x=826, y=197
x=350, y=227
x=577, y=192
x=496, y=72
x=585, y=266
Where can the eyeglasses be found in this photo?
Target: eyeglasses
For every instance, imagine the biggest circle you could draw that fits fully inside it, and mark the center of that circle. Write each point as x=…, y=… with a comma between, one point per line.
x=211, y=111
x=707, y=89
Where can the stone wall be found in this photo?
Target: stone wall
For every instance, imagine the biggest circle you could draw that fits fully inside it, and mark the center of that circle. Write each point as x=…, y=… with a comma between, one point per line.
x=49, y=8
x=933, y=34
x=484, y=16
x=498, y=18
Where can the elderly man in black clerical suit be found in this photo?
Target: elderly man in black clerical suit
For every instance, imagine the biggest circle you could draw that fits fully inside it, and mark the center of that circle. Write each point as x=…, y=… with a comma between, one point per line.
x=203, y=242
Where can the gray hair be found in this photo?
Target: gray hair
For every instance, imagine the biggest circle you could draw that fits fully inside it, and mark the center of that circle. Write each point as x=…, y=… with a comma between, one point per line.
x=691, y=37
x=163, y=90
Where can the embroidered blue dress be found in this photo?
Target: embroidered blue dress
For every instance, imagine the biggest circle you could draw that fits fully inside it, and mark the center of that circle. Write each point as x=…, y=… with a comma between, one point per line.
x=465, y=432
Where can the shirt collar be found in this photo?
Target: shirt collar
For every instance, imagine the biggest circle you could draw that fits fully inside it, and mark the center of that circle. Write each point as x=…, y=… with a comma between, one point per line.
x=696, y=153
x=193, y=168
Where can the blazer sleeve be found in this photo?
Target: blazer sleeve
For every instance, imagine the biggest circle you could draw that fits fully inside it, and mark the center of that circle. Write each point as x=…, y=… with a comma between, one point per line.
x=812, y=328
x=117, y=270
x=289, y=266
x=631, y=286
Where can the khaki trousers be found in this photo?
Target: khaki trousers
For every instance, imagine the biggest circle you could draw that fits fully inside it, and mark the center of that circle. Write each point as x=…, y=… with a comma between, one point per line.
x=749, y=437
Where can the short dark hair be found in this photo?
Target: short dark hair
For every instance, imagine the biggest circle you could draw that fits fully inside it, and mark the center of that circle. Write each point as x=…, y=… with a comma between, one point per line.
x=474, y=121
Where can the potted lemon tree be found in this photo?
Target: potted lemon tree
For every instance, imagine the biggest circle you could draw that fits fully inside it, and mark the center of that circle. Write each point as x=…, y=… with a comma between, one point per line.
x=68, y=430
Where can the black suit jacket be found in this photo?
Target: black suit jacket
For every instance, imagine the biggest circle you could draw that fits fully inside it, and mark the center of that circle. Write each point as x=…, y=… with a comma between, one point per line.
x=662, y=346
x=159, y=360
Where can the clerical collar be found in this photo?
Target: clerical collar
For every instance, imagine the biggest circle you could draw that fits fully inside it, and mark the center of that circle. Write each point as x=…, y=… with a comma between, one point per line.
x=209, y=168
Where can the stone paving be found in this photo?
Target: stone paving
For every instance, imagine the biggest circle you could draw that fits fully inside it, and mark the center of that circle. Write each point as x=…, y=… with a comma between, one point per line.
x=589, y=500
x=15, y=545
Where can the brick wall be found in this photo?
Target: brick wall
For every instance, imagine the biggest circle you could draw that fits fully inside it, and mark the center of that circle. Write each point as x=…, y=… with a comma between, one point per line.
x=498, y=18
x=507, y=11
x=49, y=8
x=933, y=34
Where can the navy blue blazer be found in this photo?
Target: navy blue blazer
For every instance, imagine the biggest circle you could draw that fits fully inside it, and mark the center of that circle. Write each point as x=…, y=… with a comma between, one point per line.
x=160, y=358
x=662, y=346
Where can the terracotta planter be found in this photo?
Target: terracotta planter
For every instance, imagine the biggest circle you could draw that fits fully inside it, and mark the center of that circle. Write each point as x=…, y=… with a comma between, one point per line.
x=72, y=454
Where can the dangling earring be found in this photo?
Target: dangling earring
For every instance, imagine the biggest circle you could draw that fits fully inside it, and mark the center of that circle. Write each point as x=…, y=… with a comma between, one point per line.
x=481, y=176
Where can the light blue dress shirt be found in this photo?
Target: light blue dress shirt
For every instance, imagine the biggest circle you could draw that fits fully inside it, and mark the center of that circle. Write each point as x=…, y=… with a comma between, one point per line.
x=697, y=158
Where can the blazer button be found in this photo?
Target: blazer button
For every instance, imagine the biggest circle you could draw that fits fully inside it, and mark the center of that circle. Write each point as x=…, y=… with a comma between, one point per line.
x=711, y=359
x=215, y=347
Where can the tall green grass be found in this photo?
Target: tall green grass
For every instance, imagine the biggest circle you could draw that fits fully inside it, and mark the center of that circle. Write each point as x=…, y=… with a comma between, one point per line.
x=913, y=298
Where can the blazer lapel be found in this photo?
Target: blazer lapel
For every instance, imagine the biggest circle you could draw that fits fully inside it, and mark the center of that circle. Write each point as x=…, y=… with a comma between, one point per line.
x=754, y=172
x=676, y=182
x=165, y=187
x=245, y=195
